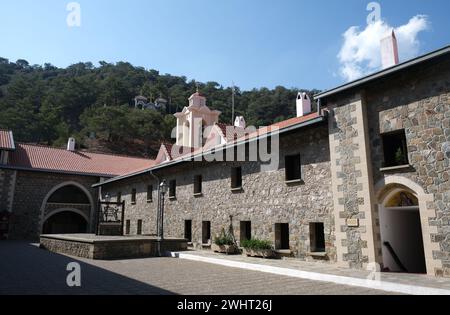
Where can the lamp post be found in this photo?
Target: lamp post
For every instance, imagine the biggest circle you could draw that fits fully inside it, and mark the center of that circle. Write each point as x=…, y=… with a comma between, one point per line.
x=163, y=191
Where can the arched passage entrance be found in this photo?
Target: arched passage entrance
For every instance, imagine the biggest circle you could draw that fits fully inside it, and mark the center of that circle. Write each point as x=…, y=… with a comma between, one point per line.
x=401, y=232
x=67, y=208
x=65, y=222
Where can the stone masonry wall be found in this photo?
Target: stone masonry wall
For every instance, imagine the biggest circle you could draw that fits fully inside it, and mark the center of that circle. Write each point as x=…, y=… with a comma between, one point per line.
x=265, y=200
x=30, y=190
x=143, y=209
x=7, y=183
x=352, y=184
x=419, y=103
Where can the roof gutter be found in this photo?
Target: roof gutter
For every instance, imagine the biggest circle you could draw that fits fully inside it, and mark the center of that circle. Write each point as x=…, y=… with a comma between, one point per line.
x=215, y=149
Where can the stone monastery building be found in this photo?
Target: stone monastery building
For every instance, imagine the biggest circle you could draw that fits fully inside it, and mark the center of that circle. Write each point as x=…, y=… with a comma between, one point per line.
x=362, y=178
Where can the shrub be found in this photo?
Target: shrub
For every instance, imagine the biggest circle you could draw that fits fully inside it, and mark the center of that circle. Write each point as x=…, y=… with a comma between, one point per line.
x=224, y=239
x=256, y=244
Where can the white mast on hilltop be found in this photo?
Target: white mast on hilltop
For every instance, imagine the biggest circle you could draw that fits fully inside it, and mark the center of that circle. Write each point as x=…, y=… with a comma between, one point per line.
x=233, y=94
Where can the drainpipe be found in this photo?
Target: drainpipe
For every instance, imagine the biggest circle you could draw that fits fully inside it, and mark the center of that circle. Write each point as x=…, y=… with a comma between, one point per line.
x=158, y=214
x=159, y=202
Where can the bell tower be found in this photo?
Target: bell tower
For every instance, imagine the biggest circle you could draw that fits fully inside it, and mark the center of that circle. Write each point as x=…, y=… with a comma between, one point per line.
x=194, y=120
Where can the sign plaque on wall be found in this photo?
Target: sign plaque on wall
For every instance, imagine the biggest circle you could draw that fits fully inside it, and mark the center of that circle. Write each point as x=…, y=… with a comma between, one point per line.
x=353, y=222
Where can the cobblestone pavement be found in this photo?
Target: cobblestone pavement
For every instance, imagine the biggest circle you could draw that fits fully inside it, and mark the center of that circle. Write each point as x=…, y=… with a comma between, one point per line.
x=26, y=269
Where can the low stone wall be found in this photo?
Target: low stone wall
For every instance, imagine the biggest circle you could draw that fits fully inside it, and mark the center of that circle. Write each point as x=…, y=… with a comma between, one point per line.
x=109, y=248
x=78, y=249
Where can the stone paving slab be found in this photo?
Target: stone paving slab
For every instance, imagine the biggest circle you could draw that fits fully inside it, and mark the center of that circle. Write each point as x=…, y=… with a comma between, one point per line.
x=26, y=269
x=415, y=280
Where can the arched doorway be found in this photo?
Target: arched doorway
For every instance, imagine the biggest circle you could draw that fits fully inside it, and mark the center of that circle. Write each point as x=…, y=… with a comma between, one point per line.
x=67, y=208
x=65, y=222
x=401, y=230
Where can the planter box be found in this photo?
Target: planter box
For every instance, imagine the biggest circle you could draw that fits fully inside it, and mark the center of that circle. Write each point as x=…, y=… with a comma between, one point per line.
x=264, y=253
x=225, y=249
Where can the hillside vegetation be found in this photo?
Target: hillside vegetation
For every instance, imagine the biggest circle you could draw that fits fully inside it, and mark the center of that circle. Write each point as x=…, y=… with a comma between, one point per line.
x=46, y=104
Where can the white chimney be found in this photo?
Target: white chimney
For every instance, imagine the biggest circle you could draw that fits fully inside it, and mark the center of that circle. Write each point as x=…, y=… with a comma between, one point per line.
x=389, y=51
x=303, y=104
x=240, y=122
x=71, y=144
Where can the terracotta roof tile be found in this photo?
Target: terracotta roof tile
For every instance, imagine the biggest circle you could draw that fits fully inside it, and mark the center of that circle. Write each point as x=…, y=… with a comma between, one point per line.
x=6, y=140
x=231, y=133
x=176, y=151
x=53, y=159
x=294, y=121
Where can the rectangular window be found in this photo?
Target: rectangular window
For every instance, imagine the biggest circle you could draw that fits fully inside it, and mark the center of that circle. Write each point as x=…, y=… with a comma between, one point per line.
x=139, y=227
x=127, y=227
x=206, y=232
x=246, y=230
x=149, y=193
x=236, y=177
x=172, y=189
x=188, y=230
x=293, y=167
x=282, y=236
x=395, y=149
x=133, y=196
x=198, y=184
x=119, y=197
x=317, y=237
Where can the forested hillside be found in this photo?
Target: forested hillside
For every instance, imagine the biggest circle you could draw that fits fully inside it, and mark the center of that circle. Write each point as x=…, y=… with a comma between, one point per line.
x=46, y=104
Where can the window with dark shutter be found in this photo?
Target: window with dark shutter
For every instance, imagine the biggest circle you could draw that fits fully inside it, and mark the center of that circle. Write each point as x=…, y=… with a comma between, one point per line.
x=236, y=177
x=293, y=168
x=395, y=149
x=173, y=189
x=198, y=182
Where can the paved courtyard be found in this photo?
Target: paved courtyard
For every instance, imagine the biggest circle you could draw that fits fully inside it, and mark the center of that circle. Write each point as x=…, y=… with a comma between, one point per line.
x=26, y=269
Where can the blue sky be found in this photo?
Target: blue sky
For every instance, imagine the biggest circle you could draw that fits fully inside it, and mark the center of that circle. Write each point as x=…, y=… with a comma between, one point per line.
x=255, y=43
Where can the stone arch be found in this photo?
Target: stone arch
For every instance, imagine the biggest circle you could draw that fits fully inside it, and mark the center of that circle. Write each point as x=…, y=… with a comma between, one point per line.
x=386, y=188
x=81, y=213
x=68, y=220
x=381, y=186
x=44, y=217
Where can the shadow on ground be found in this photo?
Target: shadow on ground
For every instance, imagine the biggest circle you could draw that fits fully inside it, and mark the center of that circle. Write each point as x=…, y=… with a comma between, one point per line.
x=26, y=269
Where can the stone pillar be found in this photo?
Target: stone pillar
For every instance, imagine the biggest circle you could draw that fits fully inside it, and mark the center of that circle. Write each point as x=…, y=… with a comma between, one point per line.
x=352, y=183
x=7, y=188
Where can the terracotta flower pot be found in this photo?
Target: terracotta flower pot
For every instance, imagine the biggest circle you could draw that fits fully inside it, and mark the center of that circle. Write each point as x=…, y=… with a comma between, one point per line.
x=225, y=249
x=264, y=253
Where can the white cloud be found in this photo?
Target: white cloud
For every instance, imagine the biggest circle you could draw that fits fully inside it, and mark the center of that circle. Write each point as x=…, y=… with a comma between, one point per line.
x=360, y=52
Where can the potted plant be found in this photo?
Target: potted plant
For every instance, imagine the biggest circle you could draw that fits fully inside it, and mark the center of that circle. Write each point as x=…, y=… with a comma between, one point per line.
x=225, y=244
x=258, y=248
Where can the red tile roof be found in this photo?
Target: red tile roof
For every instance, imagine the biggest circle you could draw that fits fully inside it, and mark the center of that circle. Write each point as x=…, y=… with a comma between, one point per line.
x=244, y=135
x=176, y=151
x=6, y=140
x=231, y=133
x=294, y=121
x=275, y=127
x=37, y=157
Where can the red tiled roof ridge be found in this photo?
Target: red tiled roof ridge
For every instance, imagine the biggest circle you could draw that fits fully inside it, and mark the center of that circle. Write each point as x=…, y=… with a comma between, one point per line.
x=82, y=151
